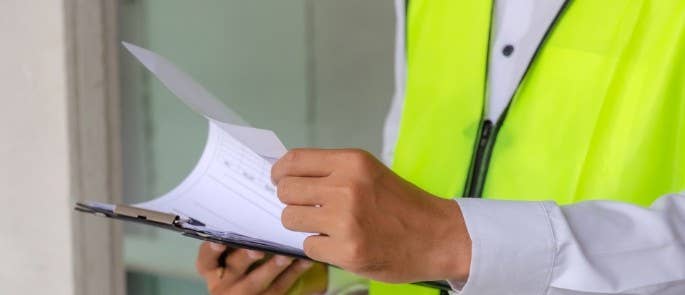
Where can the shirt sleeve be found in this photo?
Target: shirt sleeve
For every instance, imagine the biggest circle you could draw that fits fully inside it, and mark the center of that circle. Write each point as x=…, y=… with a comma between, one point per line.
x=594, y=247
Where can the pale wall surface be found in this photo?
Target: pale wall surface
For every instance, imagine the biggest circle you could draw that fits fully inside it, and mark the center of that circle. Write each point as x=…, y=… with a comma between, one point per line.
x=35, y=236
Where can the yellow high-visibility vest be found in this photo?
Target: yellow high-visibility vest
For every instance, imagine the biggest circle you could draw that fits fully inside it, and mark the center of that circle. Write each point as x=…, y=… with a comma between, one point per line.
x=600, y=113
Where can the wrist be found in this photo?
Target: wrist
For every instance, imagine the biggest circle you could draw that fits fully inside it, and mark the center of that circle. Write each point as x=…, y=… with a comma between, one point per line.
x=453, y=251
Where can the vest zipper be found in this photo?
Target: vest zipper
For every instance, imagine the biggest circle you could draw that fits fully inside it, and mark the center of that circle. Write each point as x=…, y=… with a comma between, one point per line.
x=481, y=161
x=488, y=129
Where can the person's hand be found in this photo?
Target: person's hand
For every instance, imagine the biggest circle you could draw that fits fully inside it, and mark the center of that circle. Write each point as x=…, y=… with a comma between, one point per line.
x=371, y=221
x=276, y=276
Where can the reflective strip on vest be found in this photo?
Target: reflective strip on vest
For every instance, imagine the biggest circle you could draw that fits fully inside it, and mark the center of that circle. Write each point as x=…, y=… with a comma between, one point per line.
x=599, y=115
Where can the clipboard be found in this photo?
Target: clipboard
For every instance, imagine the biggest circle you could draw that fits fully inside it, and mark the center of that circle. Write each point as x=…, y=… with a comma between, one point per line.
x=256, y=148
x=191, y=228
x=185, y=226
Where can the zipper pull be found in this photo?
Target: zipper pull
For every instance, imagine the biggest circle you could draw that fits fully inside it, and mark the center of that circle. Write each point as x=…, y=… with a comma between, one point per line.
x=480, y=162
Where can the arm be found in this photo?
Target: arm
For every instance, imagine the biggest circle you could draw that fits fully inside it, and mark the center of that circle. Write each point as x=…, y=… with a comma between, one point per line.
x=595, y=247
x=374, y=223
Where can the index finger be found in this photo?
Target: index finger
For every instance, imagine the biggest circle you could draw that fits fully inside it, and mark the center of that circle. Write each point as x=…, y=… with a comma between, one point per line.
x=304, y=163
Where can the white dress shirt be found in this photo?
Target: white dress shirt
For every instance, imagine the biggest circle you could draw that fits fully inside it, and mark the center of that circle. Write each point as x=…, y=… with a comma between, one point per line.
x=530, y=248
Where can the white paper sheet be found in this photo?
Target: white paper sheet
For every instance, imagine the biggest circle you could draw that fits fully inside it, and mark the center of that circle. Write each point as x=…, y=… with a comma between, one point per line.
x=230, y=188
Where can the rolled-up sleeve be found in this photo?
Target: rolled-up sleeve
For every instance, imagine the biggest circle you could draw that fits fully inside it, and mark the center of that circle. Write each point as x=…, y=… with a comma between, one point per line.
x=594, y=247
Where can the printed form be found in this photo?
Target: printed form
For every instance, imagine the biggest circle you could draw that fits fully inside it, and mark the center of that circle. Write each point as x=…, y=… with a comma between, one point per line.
x=230, y=189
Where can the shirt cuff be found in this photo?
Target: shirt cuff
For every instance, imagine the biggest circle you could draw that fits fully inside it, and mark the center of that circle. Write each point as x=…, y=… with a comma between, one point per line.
x=513, y=250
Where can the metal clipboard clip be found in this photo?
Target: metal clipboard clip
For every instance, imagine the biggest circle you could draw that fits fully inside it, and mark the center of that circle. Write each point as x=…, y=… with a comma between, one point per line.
x=149, y=215
x=139, y=215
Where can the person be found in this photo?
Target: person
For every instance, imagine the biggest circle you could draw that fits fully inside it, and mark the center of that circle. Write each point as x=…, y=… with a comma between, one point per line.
x=560, y=123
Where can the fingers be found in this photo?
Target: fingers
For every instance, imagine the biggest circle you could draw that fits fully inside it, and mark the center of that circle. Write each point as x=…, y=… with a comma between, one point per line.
x=304, y=162
x=305, y=219
x=237, y=263
x=208, y=258
x=303, y=191
x=276, y=276
x=261, y=278
x=207, y=263
x=315, y=247
x=289, y=277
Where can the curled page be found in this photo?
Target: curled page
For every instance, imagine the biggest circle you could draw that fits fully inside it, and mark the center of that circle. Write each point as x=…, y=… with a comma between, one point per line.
x=184, y=87
x=263, y=142
x=230, y=189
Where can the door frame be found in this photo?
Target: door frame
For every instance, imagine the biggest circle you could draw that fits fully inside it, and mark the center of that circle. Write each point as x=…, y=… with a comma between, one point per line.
x=95, y=143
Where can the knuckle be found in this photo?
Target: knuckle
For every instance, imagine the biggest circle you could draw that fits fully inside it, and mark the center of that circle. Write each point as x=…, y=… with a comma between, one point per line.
x=353, y=195
x=356, y=250
x=283, y=189
x=273, y=268
x=288, y=218
x=281, y=167
x=277, y=172
x=348, y=226
x=355, y=257
x=355, y=153
x=308, y=247
x=359, y=158
x=243, y=256
x=350, y=198
x=293, y=155
x=352, y=190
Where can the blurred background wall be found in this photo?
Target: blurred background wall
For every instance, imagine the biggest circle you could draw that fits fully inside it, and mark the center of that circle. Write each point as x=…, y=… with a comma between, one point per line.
x=35, y=183
x=317, y=72
x=81, y=120
x=59, y=144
